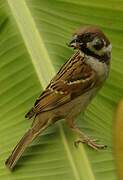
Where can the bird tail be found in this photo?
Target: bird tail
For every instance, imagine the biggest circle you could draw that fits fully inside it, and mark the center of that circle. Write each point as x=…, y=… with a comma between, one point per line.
x=29, y=136
x=30, y=114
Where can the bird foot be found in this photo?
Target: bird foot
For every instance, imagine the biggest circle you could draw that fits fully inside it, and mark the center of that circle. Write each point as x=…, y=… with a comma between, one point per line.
x=91, y=143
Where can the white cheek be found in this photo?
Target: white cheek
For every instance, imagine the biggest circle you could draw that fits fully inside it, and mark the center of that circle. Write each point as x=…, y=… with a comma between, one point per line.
x=101, y=51
x=105, y=50
x=108, y=48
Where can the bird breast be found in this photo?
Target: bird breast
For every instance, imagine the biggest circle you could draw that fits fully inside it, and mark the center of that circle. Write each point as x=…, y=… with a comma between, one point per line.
x=101, y=68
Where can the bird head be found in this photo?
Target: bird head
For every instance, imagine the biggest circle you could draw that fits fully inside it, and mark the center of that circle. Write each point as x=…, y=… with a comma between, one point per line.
x=92, y=42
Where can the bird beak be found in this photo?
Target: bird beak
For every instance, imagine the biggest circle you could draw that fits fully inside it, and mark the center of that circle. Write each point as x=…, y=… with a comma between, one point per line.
x=74, y=43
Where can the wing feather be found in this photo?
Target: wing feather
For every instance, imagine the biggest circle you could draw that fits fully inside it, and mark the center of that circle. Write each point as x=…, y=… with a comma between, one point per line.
x=73, y=79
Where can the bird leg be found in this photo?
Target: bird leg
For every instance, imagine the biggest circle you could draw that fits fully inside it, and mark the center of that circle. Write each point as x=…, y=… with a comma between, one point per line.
x=84, y=138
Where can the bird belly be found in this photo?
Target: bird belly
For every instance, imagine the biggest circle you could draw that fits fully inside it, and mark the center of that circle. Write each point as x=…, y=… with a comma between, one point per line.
x=80, y=104
x=77, y=105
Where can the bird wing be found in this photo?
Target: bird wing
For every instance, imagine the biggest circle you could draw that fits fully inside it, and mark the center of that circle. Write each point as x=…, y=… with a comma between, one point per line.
x=73, y=79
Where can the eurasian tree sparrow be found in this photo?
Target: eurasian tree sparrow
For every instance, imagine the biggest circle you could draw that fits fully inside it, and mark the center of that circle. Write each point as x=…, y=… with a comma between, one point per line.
x=71, y=90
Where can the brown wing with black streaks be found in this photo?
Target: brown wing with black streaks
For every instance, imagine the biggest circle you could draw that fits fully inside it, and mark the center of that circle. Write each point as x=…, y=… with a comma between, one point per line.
x=73, y=79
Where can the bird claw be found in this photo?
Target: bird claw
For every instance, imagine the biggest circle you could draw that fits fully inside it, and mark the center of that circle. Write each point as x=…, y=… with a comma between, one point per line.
x=90, y=142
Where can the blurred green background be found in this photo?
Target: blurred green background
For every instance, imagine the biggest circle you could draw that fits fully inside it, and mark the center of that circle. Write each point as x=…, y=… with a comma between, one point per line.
x=33, y=37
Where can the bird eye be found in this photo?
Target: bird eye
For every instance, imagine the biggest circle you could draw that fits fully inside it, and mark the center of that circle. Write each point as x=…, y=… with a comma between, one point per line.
x=98, y=44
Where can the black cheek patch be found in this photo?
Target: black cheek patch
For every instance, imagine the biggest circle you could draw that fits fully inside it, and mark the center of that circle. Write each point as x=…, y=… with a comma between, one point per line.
x=99, y=45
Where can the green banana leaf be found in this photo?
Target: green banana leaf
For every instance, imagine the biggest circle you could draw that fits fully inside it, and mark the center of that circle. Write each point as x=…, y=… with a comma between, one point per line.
x=33, y=37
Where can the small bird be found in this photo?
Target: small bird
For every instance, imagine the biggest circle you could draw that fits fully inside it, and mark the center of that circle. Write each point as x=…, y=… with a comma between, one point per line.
x=71, y=90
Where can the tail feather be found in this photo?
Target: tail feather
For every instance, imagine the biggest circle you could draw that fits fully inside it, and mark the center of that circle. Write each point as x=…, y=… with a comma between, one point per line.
x=19, y=149
x=29, y=136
